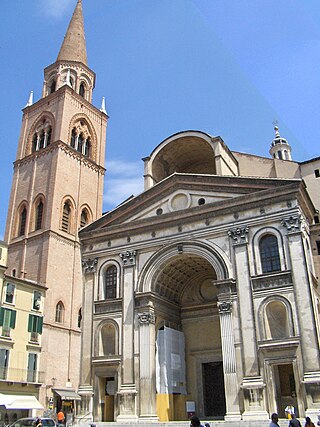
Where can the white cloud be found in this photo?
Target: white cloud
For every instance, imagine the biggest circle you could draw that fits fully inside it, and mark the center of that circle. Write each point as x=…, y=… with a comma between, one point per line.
x=123, y=179
x=56, y=8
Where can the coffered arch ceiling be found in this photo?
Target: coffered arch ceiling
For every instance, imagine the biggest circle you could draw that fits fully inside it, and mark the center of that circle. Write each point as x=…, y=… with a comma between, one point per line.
x=188, y=154
x=186, y=278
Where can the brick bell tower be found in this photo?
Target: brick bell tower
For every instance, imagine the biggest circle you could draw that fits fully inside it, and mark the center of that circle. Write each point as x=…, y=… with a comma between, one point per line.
x=57, y=188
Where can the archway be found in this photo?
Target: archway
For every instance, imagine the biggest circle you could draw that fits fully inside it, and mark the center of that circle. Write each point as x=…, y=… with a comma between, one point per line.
x=189, y=352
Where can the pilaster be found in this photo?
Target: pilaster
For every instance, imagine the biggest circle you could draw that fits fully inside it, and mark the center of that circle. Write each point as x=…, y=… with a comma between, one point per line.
x=85, y=388
x=229, y=356
x=127, y=392
x=252, y=383
x=147, y=367
x=295, y=225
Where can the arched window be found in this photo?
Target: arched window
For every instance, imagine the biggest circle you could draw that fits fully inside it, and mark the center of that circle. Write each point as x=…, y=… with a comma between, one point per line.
x=49, y=134
x=277, y=325
x=84, y=218
x=269, y=254
x=34, y=142
x=110, y=282
x=59, y=312
x=42, y=140
x=80, y=142
x=80, y=138
x=39, y=215
x=66, y=217
x=279, y=155
x=73, y=138
x=82, y=90
x=107, y=340
x=23, y=221
x=87, y=148
x=42, y=136
x=52, y=87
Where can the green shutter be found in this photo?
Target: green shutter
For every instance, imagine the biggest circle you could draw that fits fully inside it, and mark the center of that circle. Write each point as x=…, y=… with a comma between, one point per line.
x=39, y=325
x=1, y=315
x=13, y=319
x=30, y=323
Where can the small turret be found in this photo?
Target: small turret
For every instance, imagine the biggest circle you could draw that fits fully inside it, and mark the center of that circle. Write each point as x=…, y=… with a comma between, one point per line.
x=280, y=148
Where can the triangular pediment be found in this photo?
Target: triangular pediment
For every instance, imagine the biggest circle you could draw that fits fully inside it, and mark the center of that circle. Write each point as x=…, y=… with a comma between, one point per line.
x=191, y=194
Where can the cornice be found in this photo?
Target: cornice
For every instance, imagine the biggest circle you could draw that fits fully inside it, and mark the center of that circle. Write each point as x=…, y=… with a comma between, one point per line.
x=24, y=282
x=203, y=212
x=59, y=145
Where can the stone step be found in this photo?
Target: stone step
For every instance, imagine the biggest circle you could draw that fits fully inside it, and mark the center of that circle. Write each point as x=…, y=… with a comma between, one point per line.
x=242, y=423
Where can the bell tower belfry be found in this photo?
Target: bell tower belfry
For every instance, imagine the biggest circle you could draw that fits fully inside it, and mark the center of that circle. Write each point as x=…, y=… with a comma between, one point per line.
x=57, y=189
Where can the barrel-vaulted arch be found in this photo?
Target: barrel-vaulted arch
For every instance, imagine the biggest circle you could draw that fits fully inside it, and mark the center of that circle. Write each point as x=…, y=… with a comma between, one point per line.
x=172, y=269
x=184, y=152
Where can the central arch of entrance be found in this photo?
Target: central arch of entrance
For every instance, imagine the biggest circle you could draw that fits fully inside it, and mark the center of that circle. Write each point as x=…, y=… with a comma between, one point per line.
x=189, y=363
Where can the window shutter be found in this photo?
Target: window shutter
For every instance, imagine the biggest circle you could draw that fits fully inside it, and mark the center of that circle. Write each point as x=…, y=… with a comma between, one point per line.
x=13, y=319
x=1, y=316
x=30, y=323
x=39, y=325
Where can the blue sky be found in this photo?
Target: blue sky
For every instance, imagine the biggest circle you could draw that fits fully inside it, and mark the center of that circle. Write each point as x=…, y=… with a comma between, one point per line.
x=226, y=67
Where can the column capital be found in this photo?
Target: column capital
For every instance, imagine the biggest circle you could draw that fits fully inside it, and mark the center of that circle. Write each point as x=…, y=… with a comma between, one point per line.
x=128, y=258
x=293, y=223
x=146, y=318
x=224, y=307
x=89, y=265
x=239, y=235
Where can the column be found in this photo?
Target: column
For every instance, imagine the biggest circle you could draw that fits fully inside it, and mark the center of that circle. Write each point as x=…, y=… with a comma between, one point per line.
x=295, y=226
x=127, y=392
x=252, y=383
x=86, y=388
x=229, y=361
x=147, y=367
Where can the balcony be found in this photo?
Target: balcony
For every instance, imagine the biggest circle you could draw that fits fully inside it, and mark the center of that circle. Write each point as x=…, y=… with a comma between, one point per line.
x=272, y=280
x=24, y=376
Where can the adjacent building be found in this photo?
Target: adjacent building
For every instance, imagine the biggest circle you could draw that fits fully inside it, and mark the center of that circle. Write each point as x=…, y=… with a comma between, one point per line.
x=202, y=293
x=21, y=320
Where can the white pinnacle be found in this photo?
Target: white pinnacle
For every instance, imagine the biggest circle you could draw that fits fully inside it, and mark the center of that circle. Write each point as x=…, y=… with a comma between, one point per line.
x=103, y=106
x=30, y=101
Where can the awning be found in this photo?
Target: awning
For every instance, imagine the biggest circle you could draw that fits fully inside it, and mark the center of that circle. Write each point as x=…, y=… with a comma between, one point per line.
x=67, y=394
x=16, y=401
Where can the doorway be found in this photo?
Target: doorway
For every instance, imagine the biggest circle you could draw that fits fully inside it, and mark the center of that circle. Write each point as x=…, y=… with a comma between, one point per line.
x=285, y=388
x=213, y=390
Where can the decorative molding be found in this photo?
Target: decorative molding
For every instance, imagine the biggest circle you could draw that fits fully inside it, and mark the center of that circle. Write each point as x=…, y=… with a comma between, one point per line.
x=128, y=258
x=293, y=223
x=272, y=281
x=146, y=318
x=224, y=307
x=89, y=265
x=239, y=235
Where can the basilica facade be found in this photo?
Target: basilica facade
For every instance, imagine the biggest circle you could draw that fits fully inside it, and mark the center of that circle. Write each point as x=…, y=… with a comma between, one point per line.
x=201, y=293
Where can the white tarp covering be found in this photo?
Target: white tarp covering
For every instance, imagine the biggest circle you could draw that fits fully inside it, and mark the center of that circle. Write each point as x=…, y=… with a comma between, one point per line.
x=170, y=362
x=16, y=401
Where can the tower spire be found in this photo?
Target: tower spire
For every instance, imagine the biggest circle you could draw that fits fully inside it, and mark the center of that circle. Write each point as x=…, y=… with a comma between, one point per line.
x=74, y=44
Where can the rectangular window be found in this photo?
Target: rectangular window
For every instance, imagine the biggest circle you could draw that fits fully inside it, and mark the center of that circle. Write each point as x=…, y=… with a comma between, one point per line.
x=36, y=300
x=35, y=327
x=32, y=367
x=317, y=173
x=10, y=288
x=318, y=246
x=7, y=320
x=4, y=362
x=316, y=219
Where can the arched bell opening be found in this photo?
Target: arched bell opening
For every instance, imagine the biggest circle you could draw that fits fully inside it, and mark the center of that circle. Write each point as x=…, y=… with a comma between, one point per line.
x=188, y=339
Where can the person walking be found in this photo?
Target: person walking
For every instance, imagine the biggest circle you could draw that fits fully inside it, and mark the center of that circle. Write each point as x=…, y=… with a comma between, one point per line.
x=60, y=417
x=309, y=423
x=294, y=422
x=274, y=420
x=195, y=422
